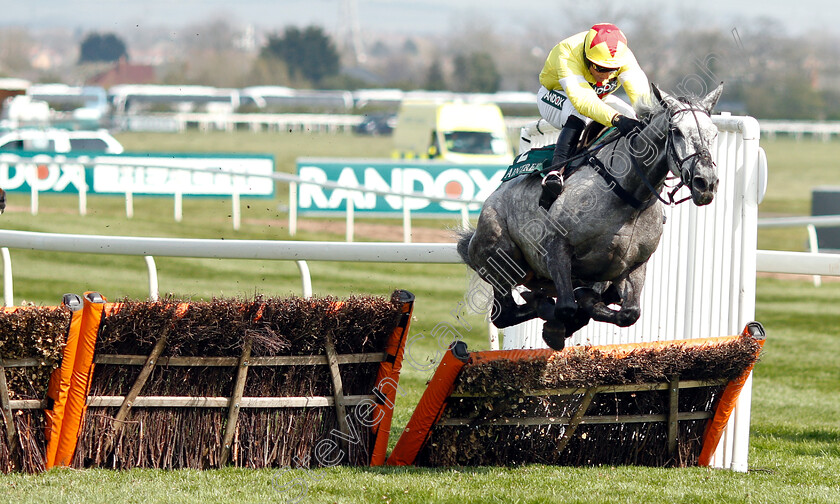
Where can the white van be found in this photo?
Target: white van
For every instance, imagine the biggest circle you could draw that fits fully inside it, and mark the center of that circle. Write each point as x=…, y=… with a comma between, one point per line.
x=59, y=140
x=454, y=132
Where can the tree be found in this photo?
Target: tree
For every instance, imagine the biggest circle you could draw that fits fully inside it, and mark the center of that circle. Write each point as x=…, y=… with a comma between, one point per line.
x=15, y=46
x=476, y=73
x=102, y=47
x=435, y=80
x=410, y=47
x=214, y=35
x=309, y=53
x=268, y=72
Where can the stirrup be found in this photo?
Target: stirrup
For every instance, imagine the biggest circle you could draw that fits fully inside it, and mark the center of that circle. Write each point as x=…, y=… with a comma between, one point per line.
x=554, y=181
x=552, y=186
x=553, y=177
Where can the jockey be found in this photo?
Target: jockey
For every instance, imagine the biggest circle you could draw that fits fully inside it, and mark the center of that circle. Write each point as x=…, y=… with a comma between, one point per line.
x=577, y=82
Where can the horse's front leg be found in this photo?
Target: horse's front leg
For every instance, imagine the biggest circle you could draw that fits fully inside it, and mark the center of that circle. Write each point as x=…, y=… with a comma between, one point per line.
x=629, y=293
x=559, y=263
x=562, y=315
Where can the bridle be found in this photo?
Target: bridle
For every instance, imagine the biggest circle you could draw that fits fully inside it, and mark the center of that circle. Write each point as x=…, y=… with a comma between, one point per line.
x=701, y=155
x=686, y=174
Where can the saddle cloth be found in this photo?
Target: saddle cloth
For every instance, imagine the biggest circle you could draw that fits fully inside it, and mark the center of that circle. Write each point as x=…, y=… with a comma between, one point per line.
x=539, y=158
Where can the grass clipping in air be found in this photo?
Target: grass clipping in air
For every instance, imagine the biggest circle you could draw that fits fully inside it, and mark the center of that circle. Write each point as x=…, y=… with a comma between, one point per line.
x=499, y=387
x=180, y=437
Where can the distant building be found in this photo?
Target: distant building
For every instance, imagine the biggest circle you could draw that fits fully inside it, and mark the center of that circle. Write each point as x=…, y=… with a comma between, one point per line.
x=124, y=72
x=10, y=87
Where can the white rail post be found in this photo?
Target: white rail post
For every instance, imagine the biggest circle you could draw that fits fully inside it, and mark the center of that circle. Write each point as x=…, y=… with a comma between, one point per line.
x=83, y=195
x=493, y=332
x=8, y=290
x=179, y=205
x=493, y=335
x=741, y=423
x=292, y=208
x=814, y=248
x=33, y=202
x=305, y=279
x=349, y=219
x=236, y=210
x=153, y=278
x=129, y=204
x=406, y=221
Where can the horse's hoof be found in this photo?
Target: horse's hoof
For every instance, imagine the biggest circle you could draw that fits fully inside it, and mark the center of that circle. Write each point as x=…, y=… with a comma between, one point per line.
x=554, y=336
x=627, y=317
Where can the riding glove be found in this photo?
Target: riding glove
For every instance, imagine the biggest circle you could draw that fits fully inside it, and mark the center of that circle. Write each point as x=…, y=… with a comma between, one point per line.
x=626, y=125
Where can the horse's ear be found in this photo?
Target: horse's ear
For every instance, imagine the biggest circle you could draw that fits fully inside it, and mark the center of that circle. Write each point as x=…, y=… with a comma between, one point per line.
x=664, y=98
x=654, y=89
x=711, y=99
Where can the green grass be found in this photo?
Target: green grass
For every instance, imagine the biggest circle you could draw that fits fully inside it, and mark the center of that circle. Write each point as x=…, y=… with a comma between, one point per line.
x=794, y=454
x=285, y=147
x=795, y=442
x=795, y=168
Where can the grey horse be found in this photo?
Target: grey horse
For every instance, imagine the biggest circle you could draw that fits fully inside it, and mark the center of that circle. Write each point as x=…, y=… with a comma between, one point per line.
x=589, y=250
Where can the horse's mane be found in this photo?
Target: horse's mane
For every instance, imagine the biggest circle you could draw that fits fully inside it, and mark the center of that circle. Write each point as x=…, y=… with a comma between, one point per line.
x=647, y=109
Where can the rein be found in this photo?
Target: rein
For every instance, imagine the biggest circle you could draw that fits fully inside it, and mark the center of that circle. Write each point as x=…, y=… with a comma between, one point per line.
x=671, y=150
x=584, y=153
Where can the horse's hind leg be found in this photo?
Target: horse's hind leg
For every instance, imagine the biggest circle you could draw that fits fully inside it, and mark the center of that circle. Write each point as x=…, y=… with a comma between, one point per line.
x=628, y=291
x=506, y=312
x=498, y=262
x=503, y=273
x=555, y=331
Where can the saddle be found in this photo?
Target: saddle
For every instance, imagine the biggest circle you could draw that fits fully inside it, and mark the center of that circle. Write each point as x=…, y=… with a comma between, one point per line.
x=593, y=134
x=539, y=159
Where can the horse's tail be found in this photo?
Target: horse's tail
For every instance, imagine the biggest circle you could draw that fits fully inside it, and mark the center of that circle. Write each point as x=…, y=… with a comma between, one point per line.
x=464, y=237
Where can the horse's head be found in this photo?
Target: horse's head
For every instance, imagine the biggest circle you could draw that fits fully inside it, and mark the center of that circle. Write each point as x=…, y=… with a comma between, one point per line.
x=688, y=145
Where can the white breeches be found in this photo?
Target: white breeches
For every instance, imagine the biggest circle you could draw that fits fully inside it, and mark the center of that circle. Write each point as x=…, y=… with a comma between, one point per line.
x=560, y=108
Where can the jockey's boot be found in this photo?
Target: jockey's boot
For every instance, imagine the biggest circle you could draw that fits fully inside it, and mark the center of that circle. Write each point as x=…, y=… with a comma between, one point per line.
x=552, y=183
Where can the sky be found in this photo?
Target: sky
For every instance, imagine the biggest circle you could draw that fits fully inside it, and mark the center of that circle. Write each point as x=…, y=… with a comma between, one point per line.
x=403, y=16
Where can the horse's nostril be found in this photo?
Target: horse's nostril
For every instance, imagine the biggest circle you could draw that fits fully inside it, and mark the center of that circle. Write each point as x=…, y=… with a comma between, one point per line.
x=699, y=184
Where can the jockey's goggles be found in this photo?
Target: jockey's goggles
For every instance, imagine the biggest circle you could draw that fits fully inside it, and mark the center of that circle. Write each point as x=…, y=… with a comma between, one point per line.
x=600, y=69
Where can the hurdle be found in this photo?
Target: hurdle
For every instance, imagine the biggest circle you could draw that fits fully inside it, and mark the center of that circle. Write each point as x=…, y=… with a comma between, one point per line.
x=653, y=403
x=700, y=282
x=268, y=382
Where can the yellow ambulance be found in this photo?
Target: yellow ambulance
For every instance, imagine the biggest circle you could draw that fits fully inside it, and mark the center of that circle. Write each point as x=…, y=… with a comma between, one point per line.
x=454, y=132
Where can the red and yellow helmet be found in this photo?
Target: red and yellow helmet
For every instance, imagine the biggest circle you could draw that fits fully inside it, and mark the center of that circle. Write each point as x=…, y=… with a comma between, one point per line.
x=605, y=45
